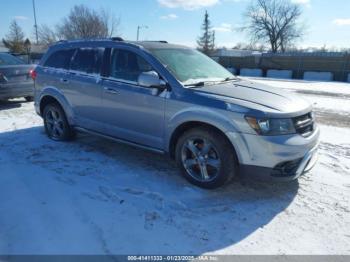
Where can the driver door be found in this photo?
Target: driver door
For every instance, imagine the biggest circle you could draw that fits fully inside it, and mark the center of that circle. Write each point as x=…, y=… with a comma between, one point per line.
x=132, y=112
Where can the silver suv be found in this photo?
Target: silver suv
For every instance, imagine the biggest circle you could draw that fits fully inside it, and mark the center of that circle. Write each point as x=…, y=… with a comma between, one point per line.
x=173, y=99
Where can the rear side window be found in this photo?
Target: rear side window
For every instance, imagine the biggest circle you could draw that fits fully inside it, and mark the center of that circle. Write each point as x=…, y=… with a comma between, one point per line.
x=60, y=59
x=126, y=65
x=88, y=60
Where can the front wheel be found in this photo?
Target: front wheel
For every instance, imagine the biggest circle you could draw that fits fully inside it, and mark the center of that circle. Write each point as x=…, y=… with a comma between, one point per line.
x=56, y=124
x=206, y=158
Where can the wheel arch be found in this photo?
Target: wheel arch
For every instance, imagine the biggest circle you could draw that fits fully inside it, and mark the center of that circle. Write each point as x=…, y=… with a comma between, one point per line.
x=53, y=95
x=45, y=100
x=186, y=126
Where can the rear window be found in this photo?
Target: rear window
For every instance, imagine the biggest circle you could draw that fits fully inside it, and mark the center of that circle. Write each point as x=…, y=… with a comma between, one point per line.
x=60, y=59
x=6, y=59
x=88, y=60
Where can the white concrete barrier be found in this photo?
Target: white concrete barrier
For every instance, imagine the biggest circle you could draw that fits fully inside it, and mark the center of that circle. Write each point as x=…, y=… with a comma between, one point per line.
x=349, y=78
x=283, y=74
x=232, y=70
x=251, y=72
x=318, y=76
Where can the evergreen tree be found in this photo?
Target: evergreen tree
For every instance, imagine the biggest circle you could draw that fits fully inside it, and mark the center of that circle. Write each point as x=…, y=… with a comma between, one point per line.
x=206, y=42
x=14, y=40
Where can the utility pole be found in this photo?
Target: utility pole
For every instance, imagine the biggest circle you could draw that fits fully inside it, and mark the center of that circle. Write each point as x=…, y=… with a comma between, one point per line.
x=35, y=24
x=139, y=27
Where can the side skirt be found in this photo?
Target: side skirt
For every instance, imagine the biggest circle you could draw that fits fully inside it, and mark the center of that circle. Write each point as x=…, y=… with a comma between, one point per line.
x=83, y=130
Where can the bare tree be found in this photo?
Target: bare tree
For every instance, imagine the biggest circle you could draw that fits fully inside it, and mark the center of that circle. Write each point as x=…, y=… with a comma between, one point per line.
x=14, y=40
x=275, y=22
x=111, y=22
x=46, y=35
x=84, y=23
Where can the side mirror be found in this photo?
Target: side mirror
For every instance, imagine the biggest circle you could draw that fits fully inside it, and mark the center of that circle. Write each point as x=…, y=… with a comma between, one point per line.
x=151, y=79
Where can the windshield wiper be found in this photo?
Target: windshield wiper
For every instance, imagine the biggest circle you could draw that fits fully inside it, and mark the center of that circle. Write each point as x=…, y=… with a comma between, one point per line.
x=203, y=83
x=229, y=79
x=198, y=84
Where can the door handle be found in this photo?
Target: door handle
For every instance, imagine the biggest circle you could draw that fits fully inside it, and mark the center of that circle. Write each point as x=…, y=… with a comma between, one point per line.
x=110, y=91
x=64, y=81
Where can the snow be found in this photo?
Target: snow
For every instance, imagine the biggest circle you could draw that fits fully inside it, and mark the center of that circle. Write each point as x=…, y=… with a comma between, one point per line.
x=326, y=97
x=94, y=196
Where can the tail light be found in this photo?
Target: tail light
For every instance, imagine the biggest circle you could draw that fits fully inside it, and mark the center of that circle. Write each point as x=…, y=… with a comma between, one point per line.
x=32, y=74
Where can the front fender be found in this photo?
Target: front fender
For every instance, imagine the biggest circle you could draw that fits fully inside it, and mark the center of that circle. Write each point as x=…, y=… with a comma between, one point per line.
x=203, y=115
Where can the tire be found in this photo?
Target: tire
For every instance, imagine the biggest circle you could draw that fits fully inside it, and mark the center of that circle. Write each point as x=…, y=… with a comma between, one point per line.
x=56, y=125
x=29, y=98
x=206, y=158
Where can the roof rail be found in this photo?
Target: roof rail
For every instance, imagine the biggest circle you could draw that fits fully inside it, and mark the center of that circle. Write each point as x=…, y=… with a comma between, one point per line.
x=117, y=38
x=157, y=41
x=61, y=41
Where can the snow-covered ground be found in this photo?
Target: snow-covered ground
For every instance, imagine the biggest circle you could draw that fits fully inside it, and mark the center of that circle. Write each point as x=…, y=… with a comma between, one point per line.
x=94, y=196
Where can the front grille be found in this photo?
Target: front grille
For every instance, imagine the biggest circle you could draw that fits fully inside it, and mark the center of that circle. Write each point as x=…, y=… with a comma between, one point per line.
x=305, y=124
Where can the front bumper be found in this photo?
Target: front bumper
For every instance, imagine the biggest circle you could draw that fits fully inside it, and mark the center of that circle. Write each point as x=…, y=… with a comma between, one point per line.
x=295, y=169
x=278, y=157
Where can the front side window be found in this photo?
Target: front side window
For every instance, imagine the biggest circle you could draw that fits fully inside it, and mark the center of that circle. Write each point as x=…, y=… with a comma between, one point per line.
x=60, y=59
x=87, y=60
x=126, y=65
x=191, y=66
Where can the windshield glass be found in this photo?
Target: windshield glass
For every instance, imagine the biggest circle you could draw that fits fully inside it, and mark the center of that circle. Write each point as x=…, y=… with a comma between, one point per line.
x=191, y=66
x=6, y=59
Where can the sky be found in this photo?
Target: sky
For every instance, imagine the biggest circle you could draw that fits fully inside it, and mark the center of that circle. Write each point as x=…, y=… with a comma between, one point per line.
x=178, y=21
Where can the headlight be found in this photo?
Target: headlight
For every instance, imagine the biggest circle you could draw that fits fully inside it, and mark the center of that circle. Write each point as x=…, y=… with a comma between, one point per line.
x=271, y=127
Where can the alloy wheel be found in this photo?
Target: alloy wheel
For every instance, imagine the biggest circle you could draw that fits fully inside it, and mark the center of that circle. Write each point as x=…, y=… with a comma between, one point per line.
x=200, y=159
x=55, y=123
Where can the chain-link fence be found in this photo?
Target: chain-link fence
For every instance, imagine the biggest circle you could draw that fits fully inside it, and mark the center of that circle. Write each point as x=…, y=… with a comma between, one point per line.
x=338, y=64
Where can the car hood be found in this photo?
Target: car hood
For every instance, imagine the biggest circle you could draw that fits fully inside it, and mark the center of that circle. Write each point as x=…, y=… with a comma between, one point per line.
x=263, y=96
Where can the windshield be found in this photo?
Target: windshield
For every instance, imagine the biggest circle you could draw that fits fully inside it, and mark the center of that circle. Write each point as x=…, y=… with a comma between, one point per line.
x=6, y=59
x=191, y=66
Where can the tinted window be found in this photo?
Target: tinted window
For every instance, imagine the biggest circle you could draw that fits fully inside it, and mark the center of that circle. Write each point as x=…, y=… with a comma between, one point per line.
x=6, y=59
x=60, y=59
x=88, y=60
x=127, y=65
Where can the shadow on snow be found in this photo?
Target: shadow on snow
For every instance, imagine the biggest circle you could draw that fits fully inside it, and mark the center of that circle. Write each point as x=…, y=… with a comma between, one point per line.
x=140, y=197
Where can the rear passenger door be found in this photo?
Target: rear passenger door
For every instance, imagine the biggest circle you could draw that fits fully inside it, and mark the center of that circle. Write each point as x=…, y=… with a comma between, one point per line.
x=83, y=88
x=56, y=70
x=132, y=112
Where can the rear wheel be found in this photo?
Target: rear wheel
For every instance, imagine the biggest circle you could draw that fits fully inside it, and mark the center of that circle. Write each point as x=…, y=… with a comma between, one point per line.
x=206, y=158
x=56, y=124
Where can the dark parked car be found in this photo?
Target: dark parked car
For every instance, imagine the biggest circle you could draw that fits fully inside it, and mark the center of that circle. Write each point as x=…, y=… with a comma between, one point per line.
x=16, y=79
